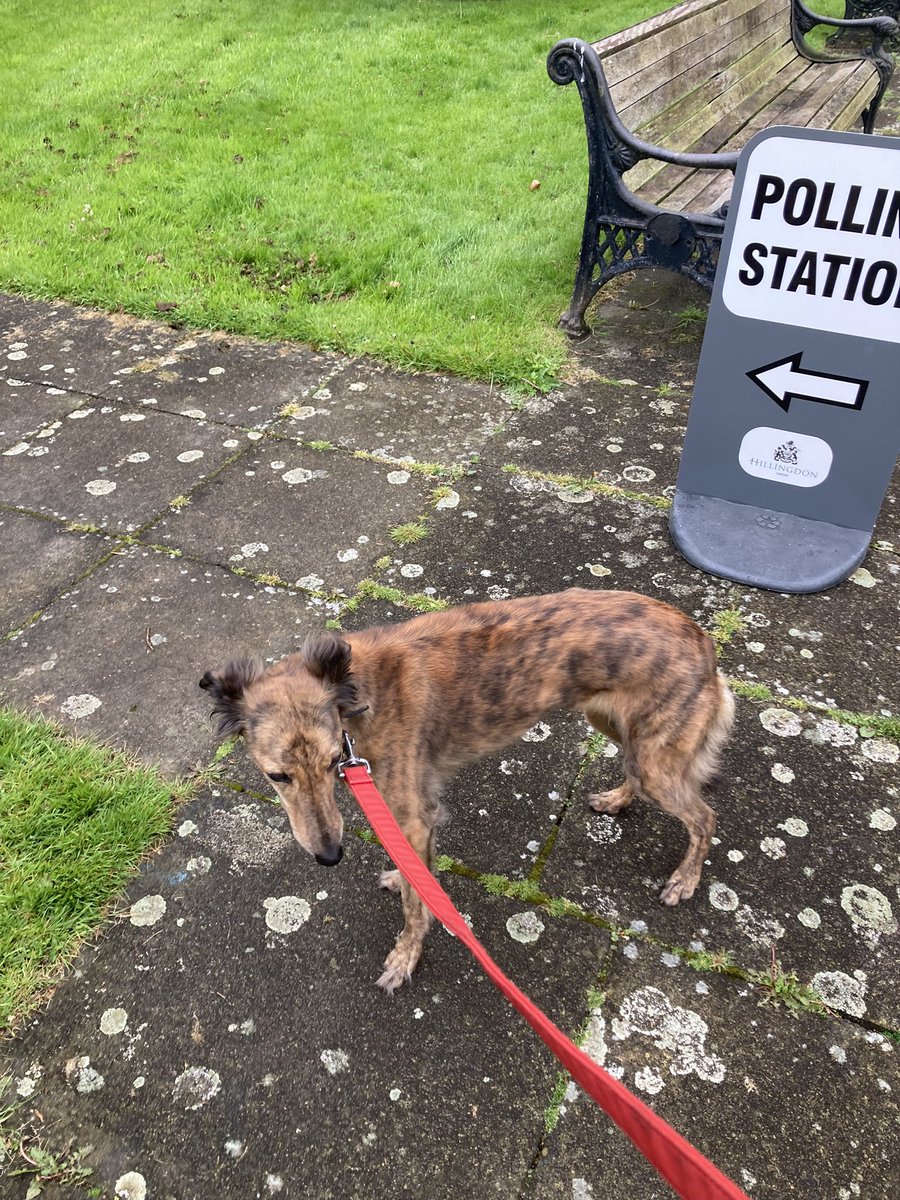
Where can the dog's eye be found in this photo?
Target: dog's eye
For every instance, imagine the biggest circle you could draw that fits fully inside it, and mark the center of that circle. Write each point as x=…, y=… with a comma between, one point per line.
x=278, y=777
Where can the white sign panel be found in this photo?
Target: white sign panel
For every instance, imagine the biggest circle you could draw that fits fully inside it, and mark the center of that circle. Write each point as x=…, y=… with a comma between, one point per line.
x=816, y=242
x=785, y=457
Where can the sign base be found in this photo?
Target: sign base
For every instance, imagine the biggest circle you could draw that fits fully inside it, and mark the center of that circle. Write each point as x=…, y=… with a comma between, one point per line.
x=773, y=550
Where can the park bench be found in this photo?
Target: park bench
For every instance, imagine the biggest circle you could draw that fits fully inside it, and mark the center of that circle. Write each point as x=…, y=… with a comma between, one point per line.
x=672, y=101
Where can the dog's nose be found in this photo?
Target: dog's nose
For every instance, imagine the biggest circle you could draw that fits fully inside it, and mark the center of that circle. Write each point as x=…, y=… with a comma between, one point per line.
x=330, y=860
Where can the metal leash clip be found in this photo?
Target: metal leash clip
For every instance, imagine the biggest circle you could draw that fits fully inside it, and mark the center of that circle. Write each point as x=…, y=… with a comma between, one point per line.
x=350, y=759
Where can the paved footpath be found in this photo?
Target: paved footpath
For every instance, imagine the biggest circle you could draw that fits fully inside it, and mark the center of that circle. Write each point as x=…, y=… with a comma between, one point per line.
x=169, y=500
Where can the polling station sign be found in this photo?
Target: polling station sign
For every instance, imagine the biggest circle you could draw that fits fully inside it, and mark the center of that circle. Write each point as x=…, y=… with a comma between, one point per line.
x=794, y=426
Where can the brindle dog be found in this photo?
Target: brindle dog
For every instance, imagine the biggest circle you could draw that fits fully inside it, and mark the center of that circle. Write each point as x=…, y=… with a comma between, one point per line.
x=426, y=697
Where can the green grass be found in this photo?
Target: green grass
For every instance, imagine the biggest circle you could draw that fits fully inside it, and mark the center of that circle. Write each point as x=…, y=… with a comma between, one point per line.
x=352, y=175
x=75, y=819
x=410, y=533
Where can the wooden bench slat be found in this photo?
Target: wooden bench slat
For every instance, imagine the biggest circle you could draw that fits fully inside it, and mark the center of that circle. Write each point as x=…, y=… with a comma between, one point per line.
x=794, y=84
x=723, y=92
x=628, y=50
x=701, y=85
x=802, y=104
x=710, y=131
x=723, y=131
x=842, y=111
x=832, y=110
x=678, y=71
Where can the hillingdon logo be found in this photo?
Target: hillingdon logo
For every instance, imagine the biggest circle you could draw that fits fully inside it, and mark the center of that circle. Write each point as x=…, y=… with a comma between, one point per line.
x=787, y=453
x=795, y=458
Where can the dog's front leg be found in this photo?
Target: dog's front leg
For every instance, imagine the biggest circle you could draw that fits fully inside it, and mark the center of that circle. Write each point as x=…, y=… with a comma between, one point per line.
x=403, y=959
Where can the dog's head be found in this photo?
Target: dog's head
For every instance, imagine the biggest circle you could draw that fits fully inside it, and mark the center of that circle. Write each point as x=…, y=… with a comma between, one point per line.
x=290, y=717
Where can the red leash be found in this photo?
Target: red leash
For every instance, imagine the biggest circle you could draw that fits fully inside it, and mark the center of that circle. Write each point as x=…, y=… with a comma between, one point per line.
x=691, y=1175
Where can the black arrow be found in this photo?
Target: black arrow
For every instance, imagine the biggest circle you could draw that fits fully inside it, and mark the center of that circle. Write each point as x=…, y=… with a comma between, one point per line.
x=784, y=381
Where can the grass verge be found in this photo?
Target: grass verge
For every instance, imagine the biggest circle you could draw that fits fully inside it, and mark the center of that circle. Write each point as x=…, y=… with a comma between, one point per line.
x=354, y=176
x=75, y=819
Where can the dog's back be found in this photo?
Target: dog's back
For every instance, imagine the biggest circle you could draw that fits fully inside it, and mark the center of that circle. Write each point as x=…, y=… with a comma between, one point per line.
x=467, y=681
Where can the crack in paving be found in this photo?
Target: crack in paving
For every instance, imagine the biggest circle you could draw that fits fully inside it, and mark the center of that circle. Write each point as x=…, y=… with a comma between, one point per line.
x=719, y=962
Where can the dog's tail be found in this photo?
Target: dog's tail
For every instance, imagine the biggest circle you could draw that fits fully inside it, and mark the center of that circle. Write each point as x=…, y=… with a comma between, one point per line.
x=717, y=732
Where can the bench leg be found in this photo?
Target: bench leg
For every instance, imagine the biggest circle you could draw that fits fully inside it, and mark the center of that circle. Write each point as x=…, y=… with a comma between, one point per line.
x=572, y=321
x=585, y=289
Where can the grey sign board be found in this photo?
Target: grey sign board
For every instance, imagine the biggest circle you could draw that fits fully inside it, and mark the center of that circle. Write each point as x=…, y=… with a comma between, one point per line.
x=794, y=426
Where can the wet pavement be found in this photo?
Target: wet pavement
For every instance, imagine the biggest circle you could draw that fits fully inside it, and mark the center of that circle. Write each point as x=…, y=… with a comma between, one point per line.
x=170, y=500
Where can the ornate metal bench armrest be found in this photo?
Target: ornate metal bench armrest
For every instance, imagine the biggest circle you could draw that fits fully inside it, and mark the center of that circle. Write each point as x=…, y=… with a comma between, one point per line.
x=575, y=61
x=719, y=161
x=882, y=26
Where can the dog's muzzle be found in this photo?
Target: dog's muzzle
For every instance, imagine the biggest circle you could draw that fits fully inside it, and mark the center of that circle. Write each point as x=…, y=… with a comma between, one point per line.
x=330, y=860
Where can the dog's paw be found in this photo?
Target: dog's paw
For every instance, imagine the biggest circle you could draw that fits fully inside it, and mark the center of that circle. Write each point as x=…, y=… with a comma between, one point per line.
x=390, y=880
x=611, y=802
x=677, y=888
x=399, y=966
x=392, y=978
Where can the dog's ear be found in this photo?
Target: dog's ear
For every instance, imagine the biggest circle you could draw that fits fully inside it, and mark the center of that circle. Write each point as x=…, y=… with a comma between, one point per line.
x=228, y=687
x=327, y=657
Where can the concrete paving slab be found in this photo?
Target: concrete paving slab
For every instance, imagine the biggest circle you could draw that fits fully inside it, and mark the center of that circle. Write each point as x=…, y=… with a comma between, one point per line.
x=231, y=379
x=622, y=410
x=38, y=560
x=301, y=514
x=785, y=1107
x=510, y=534
x=26, y=408
x=840, y=646
x=368, y=406
x=616, y=431
x=805, y=859
x=239, y=1086
x=107, y=682
x=112, y=466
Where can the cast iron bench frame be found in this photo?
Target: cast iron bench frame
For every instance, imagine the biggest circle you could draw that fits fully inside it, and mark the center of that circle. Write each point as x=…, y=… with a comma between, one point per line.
x=622, y=231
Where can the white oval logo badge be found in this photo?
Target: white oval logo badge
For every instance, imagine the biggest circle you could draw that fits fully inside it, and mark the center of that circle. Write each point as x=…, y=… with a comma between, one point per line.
x=795, y=458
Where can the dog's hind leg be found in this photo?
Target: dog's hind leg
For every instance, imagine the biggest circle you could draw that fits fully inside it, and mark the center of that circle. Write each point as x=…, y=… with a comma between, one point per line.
x=613, y=801
x=677, y=793
x=616, y=799
x=672, y=770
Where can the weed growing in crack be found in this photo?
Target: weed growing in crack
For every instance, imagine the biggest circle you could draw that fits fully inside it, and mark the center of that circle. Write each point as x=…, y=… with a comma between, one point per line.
x=415, y=468
x=726, y=623
x=24, y=1151
x=783, y=987
x=690, y=323
x=719, y=961
x=575, y=483
x=410, y=533
x=869, y=724
x=369, y=589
